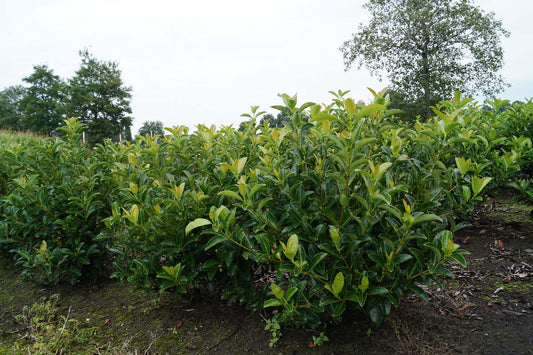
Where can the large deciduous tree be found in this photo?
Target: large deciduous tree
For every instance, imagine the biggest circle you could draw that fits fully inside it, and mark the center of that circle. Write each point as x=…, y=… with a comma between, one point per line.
x=42, y=104
x=10, y=113
x=152, y=128
x=429, y=48
x=99, y=98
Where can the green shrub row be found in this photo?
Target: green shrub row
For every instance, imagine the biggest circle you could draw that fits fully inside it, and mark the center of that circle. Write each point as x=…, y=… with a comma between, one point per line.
x=343, y=208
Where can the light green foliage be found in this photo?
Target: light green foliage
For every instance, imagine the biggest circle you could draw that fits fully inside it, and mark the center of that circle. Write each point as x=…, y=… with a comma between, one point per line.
x=342, y=208
x=428, y=49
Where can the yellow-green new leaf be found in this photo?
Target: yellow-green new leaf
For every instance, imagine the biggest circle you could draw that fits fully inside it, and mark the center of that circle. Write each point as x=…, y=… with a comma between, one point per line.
x=240, y=164
x=338, y=284
x=133, y=214
x=177, y=191
x=478, y=184
x=291, y=248
x=364, y=284
x=335, y=236
x=277, y=291
x=349, y=106
x=463, y=165
x=133, y=187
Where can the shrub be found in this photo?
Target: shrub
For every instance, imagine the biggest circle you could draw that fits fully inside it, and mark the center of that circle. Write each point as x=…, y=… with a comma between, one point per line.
x=53, y=210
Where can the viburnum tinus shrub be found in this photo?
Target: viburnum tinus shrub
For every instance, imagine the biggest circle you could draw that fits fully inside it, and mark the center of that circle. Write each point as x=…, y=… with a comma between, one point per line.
x=54, y=210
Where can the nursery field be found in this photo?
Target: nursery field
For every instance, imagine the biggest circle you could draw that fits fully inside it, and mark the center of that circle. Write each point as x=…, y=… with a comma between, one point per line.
x=485, y=309
x=346, y=230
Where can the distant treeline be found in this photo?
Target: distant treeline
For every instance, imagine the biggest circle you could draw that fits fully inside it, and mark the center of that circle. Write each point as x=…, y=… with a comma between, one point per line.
x=95, y=95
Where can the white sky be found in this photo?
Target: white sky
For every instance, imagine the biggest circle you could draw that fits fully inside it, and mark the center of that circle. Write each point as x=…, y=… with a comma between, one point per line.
x=208, y=61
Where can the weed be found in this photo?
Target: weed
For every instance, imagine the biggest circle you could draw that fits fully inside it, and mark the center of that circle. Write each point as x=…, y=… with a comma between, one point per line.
x=320, y=339
x=275, y=330
x=48, y=332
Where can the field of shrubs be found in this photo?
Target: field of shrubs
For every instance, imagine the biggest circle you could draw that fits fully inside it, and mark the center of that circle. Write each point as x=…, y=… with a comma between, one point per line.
x=346, y=207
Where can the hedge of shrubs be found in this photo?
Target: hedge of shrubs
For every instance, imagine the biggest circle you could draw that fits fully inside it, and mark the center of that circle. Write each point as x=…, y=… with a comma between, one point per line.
x=343, y=208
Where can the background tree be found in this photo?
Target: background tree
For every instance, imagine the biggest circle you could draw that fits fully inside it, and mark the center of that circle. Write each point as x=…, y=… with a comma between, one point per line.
x=152, y=128
x=42, y=104
x=10, y=113
x=281, y=118
x=430, y=48
x=99, y=99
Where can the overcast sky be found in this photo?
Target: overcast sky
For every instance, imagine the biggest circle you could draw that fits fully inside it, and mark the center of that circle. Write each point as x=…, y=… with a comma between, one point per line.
x=208, y=61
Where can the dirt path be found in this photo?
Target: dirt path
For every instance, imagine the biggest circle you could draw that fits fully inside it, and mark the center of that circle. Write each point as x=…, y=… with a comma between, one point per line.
x=486, y=309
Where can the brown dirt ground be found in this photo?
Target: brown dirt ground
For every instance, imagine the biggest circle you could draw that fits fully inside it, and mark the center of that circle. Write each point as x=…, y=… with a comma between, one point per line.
x=486, y=309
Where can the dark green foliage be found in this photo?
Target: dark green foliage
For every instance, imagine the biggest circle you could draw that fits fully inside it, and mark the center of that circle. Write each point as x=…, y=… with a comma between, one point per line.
x=54, y=204
x=152, y=128
x=342, y=208
x=411, y=110
x=10, y=111
x=339, y=209
x=429, y=49
x=98, y=97
x=279, y=121
x=42, y=104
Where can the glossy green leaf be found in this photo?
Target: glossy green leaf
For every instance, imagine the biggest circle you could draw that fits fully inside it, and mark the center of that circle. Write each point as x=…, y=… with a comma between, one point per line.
x=198, y=222
x=214, y=241
x=231, y=194
x=459, y=258
x=272, y=303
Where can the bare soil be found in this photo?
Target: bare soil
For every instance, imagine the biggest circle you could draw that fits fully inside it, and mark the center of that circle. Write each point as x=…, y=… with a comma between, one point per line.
x=486, y=309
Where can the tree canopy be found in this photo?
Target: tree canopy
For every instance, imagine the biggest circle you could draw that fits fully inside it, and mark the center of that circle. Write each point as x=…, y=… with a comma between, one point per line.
x=43, y=101
x=99, y=99
x=10, y=113
x=430, y=48
x=152, y=128
x=96, y=95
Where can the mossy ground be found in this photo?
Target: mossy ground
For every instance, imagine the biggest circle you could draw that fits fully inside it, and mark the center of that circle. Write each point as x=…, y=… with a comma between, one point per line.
x=486, y=309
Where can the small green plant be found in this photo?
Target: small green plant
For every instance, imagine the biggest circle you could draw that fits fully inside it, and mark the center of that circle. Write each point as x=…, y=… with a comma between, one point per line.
x=275, y=331
x=320, y=339
x=525, y=188
x=50, y=333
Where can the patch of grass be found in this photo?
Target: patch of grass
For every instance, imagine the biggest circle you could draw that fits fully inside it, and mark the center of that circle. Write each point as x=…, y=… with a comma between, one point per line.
x=516, y=287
